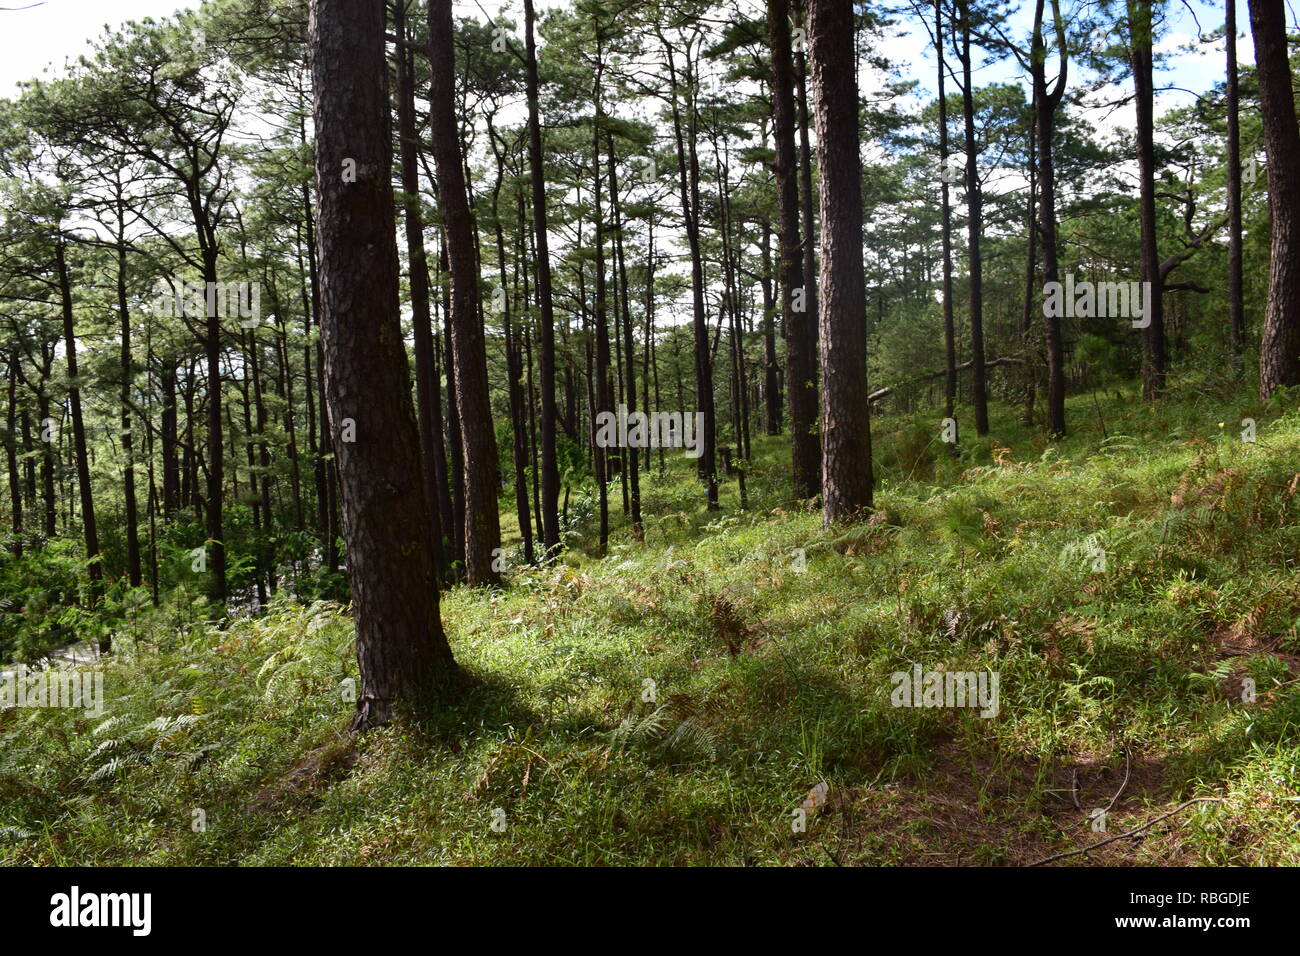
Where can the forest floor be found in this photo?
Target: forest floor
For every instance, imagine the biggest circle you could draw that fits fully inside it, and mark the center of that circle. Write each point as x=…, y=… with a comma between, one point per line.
x=1125, y=589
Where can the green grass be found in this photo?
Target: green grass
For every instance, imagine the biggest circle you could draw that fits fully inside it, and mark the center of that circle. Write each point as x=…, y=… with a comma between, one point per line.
x=768, y=680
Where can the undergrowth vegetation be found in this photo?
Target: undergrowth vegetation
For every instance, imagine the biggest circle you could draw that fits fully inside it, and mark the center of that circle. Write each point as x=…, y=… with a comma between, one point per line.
x=678, y=700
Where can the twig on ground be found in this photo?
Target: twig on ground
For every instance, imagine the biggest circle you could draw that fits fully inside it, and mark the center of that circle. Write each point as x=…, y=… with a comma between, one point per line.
x=1133, y=832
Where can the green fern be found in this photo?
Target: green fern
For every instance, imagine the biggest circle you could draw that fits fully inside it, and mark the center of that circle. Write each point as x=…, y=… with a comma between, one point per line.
x=672, y=727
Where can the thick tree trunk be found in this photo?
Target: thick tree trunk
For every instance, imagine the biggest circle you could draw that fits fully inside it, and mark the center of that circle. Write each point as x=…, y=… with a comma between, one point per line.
x=801, y=359
x=11, y=455
x=949, y=327
x=190, y=496
x=1279, y=347
x=974, y=220
x=1031, y=274
x=328, y=431
x=254, y=480
x=88, y=527
x=1236, y=304
x=265, y=478
x=530, y=401
x=151, y=499
x=426, y=386
x=401, y=650
x=214, y=504
x=1141, y=29
x=652, y=356
x=319, y=442
x=290, y=421
x=133, y=571
x=602, y=394
x=546, y=358
x=771, y=368
x=631, y=456
x=688, y=170
x=1044, y=123
x=456, y=447
x=846, y=414
x=29, y=467
x=473, y=406
x=514, y=368
x=731, y=309
x=807, y=244
x=171, y=471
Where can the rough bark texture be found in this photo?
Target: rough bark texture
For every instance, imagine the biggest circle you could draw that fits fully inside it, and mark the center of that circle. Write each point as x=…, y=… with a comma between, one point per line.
x=171, y=469
x=846, y=417
x=546, y=358
x=1236, y=306
x=974, y=227
x=688, y=170
x=133, y=573
x=426, y=384
x=11, y=455
x=1140, y=59
x=800, y=344
x=401, y=649
x=1279, y=347
x=771, y=368
x=1046, y=102
x=949, y=326
x=88, y=527
x=1031, y=273
x=514, y=365
x=473, y=407
x=603, y=394
x=631, y=457
x=808, y=243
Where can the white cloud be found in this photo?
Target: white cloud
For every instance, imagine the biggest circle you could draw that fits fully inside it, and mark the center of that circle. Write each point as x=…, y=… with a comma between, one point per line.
x=61, y=30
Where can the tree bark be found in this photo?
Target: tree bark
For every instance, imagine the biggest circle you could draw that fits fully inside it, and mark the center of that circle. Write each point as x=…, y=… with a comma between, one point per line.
x=949, y=327
x=688, y=169
x=1047, y=102
x=473, y=405
x=546, y=334
x=133, y=572
x=89, y=530
x=801, y=359
x=846, y=413
x=631, y=456
x=974, y=221
x=807, y=244
x=514, y=366
x=771, y=368
x=426, y=386
x=1279, y=347
x=1141, y=39
x=11, y=455
x=1236, y=304
x=402, y=652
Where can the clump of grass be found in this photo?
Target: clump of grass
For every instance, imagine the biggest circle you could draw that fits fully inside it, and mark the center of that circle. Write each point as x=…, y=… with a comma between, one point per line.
x=675, y=701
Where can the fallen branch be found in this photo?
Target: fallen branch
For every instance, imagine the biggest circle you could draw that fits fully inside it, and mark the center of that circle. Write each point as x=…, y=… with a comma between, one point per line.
x=1133, y=832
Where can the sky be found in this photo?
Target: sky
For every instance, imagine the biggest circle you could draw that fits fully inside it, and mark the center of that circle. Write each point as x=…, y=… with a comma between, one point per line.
x=1188, y=67
x=56, y=30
